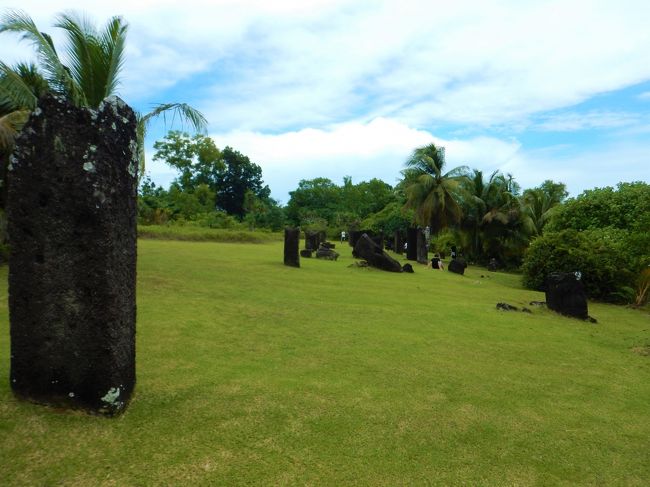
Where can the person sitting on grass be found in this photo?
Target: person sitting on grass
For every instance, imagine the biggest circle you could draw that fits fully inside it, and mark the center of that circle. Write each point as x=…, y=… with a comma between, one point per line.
x=436, y=262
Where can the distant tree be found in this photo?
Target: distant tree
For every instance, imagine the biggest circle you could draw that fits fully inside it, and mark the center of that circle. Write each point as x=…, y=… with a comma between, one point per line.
x=317, y=198
x=430, y=191
x=626, y=207
x=541, y=202
x=197, y=158
x=240, y=175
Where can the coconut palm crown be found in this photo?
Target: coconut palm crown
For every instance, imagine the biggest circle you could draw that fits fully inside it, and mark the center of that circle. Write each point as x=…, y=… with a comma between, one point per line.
x=94, y=60
x=430, y=191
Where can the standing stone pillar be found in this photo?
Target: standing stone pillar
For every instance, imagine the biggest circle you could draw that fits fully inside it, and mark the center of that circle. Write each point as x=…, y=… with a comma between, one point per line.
x=423, y=251
x=412, y=243
x=399, y=244
x=72, y=267
x=565, y=294
x=312, y=239
x=355, y=235
x=291, y=245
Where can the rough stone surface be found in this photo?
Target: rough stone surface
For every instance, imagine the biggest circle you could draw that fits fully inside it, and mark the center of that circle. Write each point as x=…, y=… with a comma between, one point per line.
x=291, y=245
x=412, y=243
x=326, y=253
x=422, y=254
x=507, y=307
x=369, y=251
x=312, y=239
x=457, y=265
x=305, y=253
x=398, y=243
x=565, y=294
x=378, y=239
x=328, y=245
x=408, y=268
x=72, y=270
x=355, y=235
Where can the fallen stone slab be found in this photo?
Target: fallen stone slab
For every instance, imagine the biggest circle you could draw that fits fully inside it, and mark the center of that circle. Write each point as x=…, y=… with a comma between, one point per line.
x=369, y=251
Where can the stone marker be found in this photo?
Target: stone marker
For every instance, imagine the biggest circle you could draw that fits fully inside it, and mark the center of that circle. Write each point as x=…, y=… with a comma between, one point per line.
x=369, y=251
x=457, y=265
x=72, y=269
x=305, y=253
x=291, y=245
x=312, y=239
x=565, y=294
x=398, y=243
x=422, y=251
x=493, y=265
x=326, y=253
x=408, y=268
x=355, y=235
x=412, y=243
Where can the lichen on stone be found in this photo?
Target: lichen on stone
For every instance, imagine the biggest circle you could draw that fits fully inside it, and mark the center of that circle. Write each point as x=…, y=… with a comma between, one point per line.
x=89, y=166
x=112, y=398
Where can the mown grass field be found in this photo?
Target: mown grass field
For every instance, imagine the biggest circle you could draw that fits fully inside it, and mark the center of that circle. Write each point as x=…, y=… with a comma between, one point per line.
x=253, y=373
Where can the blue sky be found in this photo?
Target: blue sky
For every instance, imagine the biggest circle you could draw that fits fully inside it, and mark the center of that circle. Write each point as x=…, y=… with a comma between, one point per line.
x=543, y=90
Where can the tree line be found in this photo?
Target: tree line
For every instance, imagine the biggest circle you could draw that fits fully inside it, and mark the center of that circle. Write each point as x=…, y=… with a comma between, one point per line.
x=603, y=230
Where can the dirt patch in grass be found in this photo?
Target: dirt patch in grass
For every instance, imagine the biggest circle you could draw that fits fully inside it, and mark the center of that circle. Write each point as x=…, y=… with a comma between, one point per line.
x=643, y=350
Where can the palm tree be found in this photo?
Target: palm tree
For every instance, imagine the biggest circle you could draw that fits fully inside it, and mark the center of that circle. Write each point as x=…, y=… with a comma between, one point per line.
x=92, y=73
x=540, y=203
x=430, y=191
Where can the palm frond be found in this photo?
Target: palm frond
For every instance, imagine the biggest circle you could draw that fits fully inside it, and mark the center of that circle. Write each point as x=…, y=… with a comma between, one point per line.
x=181, y=111
x=15, y=93
x=10, y=125
x=96, y=59
x=56, y=73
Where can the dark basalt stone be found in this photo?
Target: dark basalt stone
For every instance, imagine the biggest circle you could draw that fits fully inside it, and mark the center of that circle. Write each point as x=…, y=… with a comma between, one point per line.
x=493, y=265
x=408, y=268
x=312, y=240
x=328, y=245
x=412, y=244
x=326, y=253
x=369, y=251
x=565, y=294
x=355, y=236
x=291, y=245
x=305, y=253
x=422, y=251
x=508, y=307
x=72, y=268
x=398, y=243
x=457, y=265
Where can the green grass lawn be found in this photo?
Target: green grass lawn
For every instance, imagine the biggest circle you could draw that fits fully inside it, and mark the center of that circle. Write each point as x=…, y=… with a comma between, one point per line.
x=253, y=373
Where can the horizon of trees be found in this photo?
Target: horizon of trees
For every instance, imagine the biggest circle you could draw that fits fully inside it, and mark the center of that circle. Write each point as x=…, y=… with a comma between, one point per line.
x=486, y=216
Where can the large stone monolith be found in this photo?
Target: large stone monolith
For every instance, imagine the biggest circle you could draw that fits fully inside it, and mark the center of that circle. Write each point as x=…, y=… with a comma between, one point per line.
x=422, y=252
x=565, y=294
x=372, y=253
x=291, y=246
x=312, y=240
x=412, y=243
x=72, y=267
x=398, y=243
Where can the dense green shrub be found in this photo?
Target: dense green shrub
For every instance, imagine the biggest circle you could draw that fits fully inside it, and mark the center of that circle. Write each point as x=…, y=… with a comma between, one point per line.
x=626, y=207
x=608, y=265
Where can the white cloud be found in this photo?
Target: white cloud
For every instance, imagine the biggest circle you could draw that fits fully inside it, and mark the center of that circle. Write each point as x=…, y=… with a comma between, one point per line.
x=286, y=64
x=595, y=119
x=377, y=149
x=645, y=96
